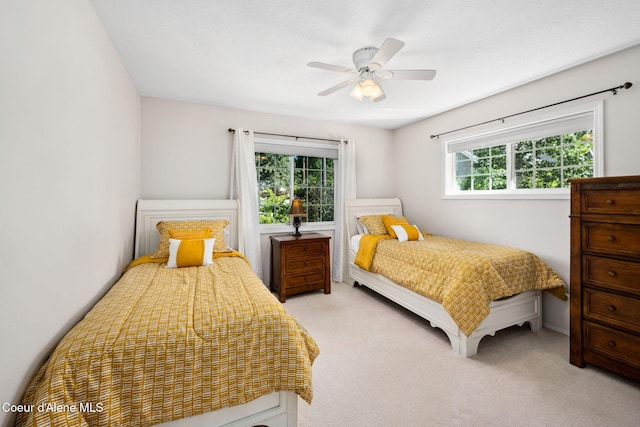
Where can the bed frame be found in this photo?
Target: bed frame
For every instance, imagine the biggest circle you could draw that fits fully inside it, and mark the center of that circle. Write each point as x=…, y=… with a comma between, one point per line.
x=279, y=409
x=516, y=310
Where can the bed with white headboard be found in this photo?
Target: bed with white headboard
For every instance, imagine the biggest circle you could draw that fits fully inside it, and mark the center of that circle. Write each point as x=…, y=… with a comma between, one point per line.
x=272, y=408
x=516, y=310
x=150, y=212
x=275, y=409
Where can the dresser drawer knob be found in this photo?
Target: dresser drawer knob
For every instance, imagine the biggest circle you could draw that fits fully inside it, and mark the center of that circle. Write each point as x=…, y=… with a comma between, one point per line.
x=612, y=274
x=611, y=239
x=611, y=308
x=610, y=202
x=612, y=343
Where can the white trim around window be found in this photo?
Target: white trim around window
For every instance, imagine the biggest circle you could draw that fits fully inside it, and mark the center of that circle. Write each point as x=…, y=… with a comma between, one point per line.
x=533, y=126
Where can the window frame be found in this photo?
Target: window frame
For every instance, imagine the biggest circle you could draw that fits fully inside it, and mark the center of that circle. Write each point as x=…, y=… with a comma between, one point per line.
x=265, y=144
x=502, y=131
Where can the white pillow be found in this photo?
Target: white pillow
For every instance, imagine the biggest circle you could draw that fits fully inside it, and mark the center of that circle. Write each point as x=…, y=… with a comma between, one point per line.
x=405, y=232
x=190, y=252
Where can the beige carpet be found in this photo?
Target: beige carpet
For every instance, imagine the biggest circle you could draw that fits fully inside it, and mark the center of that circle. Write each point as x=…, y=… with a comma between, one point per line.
x=380, y=365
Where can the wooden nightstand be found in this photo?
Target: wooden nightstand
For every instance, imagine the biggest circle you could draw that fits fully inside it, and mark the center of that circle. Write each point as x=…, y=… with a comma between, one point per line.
x=299, y=264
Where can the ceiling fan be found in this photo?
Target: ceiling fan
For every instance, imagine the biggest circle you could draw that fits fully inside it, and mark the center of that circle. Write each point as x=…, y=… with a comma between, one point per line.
x=369, y=63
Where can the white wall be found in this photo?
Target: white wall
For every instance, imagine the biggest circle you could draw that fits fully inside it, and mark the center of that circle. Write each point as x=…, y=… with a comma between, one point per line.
x=186, y=148
x=69, y=177
x=540, y=226
x=186, y=151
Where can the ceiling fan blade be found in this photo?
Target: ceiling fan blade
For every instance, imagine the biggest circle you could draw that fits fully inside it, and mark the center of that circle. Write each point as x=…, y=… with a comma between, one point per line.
x=387, y=51
x=409, y=74
x=337, y=87
x=331, y=67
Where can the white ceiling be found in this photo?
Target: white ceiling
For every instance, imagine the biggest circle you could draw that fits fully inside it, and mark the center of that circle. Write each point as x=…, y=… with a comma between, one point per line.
x=252, y=54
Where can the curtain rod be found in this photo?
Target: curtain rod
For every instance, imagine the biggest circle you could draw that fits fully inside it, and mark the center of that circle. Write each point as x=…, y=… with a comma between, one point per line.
x=627, y=85
x=231, y=130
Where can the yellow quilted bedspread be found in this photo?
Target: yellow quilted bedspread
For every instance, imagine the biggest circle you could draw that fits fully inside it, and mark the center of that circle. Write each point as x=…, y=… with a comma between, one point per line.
x=463, y=276
x=166, y=343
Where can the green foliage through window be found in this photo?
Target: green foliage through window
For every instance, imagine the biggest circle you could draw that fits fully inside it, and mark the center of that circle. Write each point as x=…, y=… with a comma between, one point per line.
x=282, y=176
x=544, y=163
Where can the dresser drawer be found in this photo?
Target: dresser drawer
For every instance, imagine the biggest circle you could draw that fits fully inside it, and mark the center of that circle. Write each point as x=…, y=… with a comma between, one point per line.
x=313, y=278
x=613, y=274
x=612, y=343
x=625, y=202
x=613, y=309
x=305, y=264
x=307, y=250
x=615, y=239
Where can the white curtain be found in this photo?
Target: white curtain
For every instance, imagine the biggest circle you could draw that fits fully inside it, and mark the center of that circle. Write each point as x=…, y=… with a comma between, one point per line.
x=346, y=189
x=244, y=187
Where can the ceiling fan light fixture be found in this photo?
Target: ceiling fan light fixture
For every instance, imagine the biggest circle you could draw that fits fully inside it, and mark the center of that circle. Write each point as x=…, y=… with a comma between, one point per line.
x=367, y=87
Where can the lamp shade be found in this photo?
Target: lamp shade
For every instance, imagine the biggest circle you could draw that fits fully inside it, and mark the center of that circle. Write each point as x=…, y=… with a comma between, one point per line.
x=296, y=208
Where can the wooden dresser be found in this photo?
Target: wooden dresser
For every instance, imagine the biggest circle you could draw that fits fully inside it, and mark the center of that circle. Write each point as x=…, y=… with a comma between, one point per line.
x=605, y=273
x=299, y=264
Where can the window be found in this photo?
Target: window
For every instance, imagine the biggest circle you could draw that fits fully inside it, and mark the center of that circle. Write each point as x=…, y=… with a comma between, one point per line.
x=533, y=159
x=286, y=171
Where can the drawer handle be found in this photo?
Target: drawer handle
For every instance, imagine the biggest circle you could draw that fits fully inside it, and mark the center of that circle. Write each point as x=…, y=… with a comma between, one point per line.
x=611, y=239
x=612, y=343
x=610, y=202
x=611, y=308
x=612, y=273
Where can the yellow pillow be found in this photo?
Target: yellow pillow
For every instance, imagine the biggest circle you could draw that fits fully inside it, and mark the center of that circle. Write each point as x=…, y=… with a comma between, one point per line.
x=205, y=233
x=190, y=252
x=406, y=232
x=374, y=224
x=216, y=226
x=389, y=220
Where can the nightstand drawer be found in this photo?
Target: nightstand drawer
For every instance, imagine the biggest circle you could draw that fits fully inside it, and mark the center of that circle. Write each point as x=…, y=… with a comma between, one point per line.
x=307, y=250
x=306, y=264
x=615, y=239
x=624, y=202
x=315, y=277
x=614, y=309
x=613, y=274
x=613, y=343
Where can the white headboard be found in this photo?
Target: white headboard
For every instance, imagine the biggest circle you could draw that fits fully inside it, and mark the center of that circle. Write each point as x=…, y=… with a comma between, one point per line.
x=150, y=212
x=358, y=207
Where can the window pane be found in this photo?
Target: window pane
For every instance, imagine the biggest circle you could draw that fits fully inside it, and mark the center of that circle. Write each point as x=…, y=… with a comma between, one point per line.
x=548, y=158
x=481, y=182
x=482, y=169
x=524, y=179
x=499, y=163
x=464, y=183
x=273, y=187
x=499, y=181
